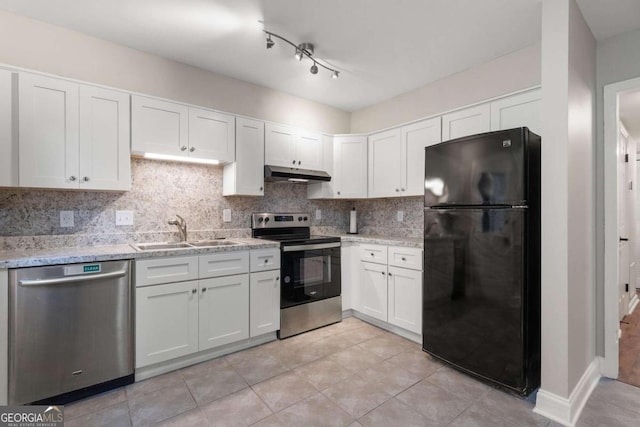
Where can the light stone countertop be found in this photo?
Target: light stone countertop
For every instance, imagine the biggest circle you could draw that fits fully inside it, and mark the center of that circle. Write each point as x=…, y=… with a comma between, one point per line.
x=412, y=242
x=40, y=257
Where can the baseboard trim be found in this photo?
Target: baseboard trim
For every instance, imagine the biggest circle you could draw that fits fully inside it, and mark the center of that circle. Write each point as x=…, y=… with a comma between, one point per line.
x=389, y=327
x=567, y=411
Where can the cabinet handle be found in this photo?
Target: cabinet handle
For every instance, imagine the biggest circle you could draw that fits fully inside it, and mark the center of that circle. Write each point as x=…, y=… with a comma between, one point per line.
x=260, y=188
x=404, y=259
x=192, y=149
x=194, y=290
x=389, y=274
x=277, y=279
x=372, y=254
x=338, y=193
x=299, y=162
x=85, y=179
x=72, y=178
x=183, y=148
x=397, y=190
x=294, y=162
x=382, y=272
x=266, y=261
x=204, y=290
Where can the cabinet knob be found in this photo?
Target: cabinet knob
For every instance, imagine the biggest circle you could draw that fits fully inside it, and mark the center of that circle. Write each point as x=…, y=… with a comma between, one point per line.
x=261, y=188
x=72, y=178
x=192, y=149
x=397, y=189
x=204, y=290
x=299, y=162
x=402, y=189
x=338, y=193
x=277, y=279
x=85, y=179
x=294, y=162
x=266, y=261
x=194, y=290
x=183, y=148
x=389, y=274
x=404, y=259
x=371, y=253
x=382, y=272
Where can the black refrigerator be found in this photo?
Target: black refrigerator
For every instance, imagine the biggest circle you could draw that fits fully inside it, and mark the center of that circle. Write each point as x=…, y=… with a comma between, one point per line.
x=481, y=288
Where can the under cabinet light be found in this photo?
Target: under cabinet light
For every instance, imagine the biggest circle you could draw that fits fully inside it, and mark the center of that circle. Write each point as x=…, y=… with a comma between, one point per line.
x=172, y=158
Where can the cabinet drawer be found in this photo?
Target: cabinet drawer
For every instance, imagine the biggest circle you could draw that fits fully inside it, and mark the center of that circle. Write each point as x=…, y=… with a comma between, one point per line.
x=373, y=253
x=165, y=270
x=224, y=264
x=265, y=259
x=405, y=257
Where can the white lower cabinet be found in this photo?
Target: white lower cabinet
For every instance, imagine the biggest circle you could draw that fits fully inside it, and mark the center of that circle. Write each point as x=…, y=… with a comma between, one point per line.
x=220, y=301
x=224, y=310
x=388, y=284
x=264, y=302
x=166, y=322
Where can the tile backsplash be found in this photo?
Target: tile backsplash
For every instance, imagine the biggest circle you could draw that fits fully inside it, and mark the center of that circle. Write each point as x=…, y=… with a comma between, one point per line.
x=162, y=189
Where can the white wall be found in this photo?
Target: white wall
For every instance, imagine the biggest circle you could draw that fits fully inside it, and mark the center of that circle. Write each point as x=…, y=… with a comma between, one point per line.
x=43, y=47
x=512, y=72
x=568, y=192
x=618, y=59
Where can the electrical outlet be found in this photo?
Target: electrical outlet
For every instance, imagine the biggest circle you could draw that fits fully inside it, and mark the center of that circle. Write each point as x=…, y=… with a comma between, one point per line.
x=124, y=217
x=226, y=215
x=66, y=219
x=318, y=214
x=400, y=216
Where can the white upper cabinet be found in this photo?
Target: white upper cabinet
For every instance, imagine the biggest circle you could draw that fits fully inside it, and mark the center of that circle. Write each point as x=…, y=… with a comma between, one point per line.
x=211, y=135
x=159, y=127
x=519, y=110
x=350, y=167
x=48, y=127
x=245, y=176
x=414, y=139
x=8, y=121
x=72, y=136
x=385, y=161
x=324, y=190
x=289, y=147
x=466, y=122
x=104, y=139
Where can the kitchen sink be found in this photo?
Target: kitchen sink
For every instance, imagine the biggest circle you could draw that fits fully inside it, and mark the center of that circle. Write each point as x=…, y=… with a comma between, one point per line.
x=212, y=243
x=160, y=246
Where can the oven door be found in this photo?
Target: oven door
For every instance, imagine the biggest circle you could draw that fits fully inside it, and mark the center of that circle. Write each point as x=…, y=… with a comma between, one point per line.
x=309, y=272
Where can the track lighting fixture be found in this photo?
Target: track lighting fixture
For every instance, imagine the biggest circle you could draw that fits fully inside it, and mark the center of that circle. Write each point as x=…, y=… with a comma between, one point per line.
x=303, y=50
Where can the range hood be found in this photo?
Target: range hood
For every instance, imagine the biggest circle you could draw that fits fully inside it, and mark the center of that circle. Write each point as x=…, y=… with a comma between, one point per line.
x=279, y=173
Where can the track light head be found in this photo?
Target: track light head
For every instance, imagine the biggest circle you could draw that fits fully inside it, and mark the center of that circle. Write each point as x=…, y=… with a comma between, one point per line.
x=299, y=54
x=302, y=50
x=314, y=69
x=270, y=42
x=335, y=74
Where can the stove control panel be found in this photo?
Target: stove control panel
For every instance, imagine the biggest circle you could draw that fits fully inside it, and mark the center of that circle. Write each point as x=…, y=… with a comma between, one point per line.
x=280, y=220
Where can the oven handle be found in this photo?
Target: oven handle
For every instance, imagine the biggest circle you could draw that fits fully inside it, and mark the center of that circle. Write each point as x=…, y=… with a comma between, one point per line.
x=310, y=247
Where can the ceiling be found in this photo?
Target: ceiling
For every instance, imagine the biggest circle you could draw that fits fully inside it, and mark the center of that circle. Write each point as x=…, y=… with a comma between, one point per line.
x=382, y=48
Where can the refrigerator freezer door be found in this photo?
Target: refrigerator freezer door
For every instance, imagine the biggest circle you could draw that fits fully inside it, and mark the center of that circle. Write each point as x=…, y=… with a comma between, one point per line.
x=473, y=291
x=486, y=169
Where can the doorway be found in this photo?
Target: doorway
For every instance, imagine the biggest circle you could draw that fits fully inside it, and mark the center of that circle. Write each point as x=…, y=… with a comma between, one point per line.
x=620, y=222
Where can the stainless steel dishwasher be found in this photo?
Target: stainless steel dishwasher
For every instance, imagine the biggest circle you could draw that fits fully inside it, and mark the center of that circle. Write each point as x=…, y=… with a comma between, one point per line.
x=70, y=331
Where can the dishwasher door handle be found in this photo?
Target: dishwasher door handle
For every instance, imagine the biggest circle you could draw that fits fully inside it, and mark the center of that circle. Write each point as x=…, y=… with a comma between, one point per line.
x=72, y=279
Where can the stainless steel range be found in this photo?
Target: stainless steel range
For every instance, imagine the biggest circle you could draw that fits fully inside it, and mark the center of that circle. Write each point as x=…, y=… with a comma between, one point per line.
x=310, y=284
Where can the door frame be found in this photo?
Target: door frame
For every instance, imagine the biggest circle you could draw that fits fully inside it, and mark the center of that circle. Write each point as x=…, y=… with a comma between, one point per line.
x=612, y=92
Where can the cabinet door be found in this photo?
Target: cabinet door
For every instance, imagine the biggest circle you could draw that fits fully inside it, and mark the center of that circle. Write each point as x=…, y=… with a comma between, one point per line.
x=264, y=302
x=211, y=135
x=466, y=122
x=324, y=190
x=405, y=299
x=8, y=147
x=279, y=145
x=224, y=310
x=245, y=176
x=519, y=110
x=309, y=150
x=384, y=164
x=166, y=322
x=350, y=167
x=373, y=290
x=414, y=139
x=104, y=139
x=48, y=129
x=159, y=127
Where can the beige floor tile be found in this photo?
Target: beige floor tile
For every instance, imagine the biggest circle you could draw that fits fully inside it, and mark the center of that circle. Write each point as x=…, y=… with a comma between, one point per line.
x=113, y=416
x=160, y=405
x=599, y=413
x=284, y=390
x=356, y=358
x=316, y=410
x=433, y=402
x=460, y=384
x=153, y=384
x=391, y=378
x=479, y=417
x=394, y=413
x=417, y=362
x=387, y=346
x=618, y=393
x=270, y=421
x=192, y=418
x=259, y=367
x=94, y=403
x=323, y=373
x=212, y=380
x=239, y=409
x=356, y=395
x=511, y=407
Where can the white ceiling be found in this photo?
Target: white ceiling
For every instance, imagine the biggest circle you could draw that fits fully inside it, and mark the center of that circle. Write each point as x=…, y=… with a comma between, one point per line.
x=382, y=48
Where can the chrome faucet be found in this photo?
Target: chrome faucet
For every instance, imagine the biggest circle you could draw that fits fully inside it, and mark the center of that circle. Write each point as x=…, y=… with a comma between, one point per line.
x=182, y=226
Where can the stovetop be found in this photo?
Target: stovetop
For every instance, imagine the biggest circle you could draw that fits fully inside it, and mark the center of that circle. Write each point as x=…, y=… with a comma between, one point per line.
x=300, y=240
x=287, y=228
